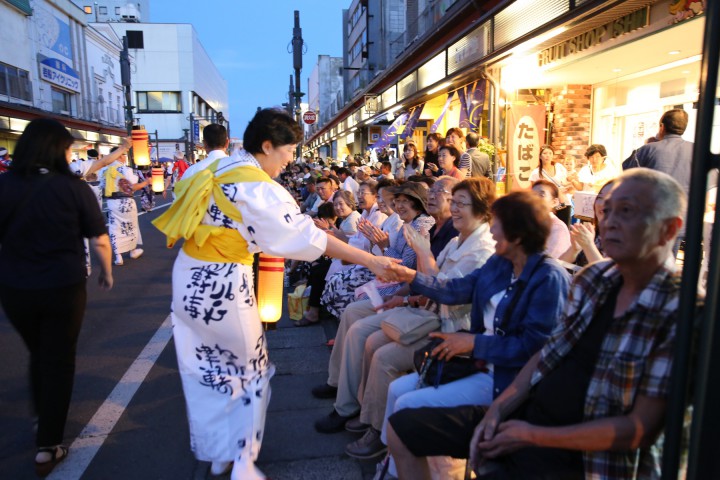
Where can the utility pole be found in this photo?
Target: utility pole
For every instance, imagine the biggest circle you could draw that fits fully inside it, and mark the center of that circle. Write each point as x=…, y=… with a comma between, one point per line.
x=297, y=48
x=126, y=83
x=291, y=98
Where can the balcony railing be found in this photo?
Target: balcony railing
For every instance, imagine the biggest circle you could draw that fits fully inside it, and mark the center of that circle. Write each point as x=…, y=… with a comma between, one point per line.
x=102, y=113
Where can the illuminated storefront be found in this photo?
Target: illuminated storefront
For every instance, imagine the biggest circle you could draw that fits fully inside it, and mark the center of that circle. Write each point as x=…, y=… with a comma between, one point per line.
x=606, y=80
x=583, y=72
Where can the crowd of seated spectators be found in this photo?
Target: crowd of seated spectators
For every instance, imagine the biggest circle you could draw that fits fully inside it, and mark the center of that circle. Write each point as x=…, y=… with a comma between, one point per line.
x=570, y=366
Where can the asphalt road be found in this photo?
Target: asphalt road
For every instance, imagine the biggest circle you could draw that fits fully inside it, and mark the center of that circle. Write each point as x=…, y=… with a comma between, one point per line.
x=149, y=438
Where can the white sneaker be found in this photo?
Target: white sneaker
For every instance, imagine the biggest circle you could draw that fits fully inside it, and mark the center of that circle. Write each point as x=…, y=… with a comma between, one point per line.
x=220, y=468
x=118, y=259
x=137, y=253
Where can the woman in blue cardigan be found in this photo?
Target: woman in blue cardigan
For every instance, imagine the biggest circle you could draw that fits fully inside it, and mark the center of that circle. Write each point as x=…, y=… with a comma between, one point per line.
x=516, y=298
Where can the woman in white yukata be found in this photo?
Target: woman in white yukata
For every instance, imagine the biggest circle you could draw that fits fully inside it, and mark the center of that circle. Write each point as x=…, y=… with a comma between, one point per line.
x=226, y=210
x=86, y=170
x=118, y=182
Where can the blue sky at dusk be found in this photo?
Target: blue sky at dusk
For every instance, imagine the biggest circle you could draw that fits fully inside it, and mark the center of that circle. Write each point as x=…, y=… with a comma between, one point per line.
x=248, y=41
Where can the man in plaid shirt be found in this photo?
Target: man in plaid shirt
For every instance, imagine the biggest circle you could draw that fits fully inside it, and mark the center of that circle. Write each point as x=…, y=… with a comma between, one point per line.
x=591, y=404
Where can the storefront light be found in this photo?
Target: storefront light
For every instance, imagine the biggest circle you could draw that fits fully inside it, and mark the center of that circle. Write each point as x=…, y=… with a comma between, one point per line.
x=515, y=74
x=535, y=41
x=440, y=87
x=17, y=125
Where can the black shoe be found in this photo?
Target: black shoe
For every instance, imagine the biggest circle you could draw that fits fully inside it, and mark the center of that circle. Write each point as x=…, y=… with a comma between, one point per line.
x=324, y=391
x=333, y=423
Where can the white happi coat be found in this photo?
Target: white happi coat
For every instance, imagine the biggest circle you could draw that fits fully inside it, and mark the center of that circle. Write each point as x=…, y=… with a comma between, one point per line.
x=80, y=169
x=220, y=343
x=123, y=226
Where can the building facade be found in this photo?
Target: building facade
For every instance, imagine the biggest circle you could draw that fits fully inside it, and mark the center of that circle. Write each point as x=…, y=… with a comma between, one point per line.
x=325, y=91
x=115, y=10
x=176, y=88
x=45, y=71
x=531, y=72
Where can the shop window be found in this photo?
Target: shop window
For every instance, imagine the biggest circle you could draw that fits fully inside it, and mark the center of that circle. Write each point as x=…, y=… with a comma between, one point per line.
x=135, y=39
x=159, y=102
x=61, y=101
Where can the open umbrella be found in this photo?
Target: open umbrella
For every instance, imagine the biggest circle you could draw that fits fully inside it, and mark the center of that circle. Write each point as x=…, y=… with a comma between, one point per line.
x=165, y=159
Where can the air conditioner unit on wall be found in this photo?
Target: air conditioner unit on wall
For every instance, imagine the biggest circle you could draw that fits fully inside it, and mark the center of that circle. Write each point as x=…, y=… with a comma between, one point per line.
x=130, y=13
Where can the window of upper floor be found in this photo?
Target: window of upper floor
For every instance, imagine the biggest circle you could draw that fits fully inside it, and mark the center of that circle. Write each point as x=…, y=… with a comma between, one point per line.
x=159, y=102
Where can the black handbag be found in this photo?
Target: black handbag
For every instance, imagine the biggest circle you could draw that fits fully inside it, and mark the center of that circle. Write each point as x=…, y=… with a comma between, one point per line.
x=434, y=372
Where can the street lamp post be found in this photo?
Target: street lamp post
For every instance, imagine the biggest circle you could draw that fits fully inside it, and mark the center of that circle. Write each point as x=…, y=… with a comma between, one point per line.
x=186, y=137
x=191, y=152
x=126, y=83
x=297, y=49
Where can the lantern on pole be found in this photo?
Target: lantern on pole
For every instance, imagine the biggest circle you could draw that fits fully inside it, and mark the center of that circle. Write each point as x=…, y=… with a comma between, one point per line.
x=271, y=273
x=141, y=154
x=158, y=180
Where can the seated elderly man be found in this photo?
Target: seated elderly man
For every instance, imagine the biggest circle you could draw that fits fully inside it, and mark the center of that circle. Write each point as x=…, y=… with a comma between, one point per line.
x=592, y=402
x=325, y=188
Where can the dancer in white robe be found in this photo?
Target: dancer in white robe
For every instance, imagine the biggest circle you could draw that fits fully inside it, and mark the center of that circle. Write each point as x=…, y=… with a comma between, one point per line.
x=86, y=170
x=118, y=182
x=227, y=209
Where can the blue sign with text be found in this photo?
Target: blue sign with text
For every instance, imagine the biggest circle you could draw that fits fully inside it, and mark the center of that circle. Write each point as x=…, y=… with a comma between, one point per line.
x=59, y=73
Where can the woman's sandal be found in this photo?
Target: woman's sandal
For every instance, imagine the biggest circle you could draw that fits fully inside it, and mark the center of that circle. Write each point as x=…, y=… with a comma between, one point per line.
x=57, y=455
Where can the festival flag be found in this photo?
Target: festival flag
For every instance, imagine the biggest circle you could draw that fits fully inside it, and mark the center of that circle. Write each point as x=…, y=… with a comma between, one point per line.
x=435, y=125
x=412, y=122
x=477, y=104
x=391, y=132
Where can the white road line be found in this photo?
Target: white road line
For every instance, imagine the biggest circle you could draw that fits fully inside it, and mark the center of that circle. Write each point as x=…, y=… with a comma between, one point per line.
x=84, y=448
x=158, y=207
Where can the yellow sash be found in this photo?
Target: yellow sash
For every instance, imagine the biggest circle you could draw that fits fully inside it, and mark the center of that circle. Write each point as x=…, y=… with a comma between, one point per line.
x=182, y=219
x=111, y=175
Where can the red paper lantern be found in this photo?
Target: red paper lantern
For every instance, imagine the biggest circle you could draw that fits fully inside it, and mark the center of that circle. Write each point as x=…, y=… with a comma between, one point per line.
x=158, y=180
x=141, y=153
x=271, y=273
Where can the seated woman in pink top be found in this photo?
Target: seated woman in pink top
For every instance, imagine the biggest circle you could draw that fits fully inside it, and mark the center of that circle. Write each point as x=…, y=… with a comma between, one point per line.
x=559, y=240
x=448, y=157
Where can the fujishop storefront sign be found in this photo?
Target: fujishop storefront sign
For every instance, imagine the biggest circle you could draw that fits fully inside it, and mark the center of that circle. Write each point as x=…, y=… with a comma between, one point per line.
x=59, y=73
x=616, y=28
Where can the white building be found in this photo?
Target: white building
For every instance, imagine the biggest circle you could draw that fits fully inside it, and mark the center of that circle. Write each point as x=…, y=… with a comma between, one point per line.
x=115, y=10
x=325, y=89
x=45, y=72
x=106, y=98
x=176, y=88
